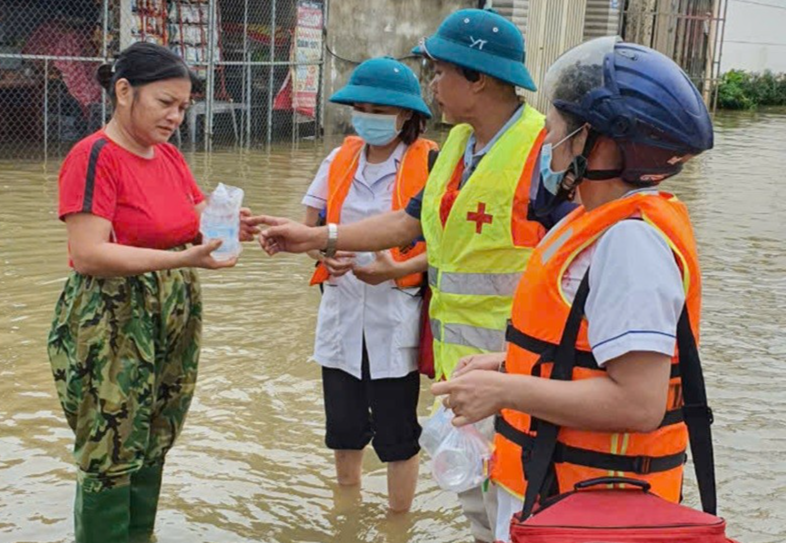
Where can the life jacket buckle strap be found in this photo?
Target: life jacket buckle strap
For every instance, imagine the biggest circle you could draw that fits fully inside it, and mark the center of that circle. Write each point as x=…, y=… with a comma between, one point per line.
x=546, y=350
x=698, y=412
x=642, y=465
x=526, y=452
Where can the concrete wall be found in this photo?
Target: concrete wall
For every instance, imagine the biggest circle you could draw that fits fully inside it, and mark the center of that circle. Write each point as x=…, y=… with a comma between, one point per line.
x=361, y=29
x=755, y=39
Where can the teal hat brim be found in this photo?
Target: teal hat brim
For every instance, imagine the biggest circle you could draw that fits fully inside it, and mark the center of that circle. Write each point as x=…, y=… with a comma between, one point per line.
x=354, y=94
x=507, y=70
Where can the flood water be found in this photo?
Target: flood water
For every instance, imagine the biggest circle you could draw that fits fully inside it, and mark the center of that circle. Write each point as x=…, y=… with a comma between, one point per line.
x=251, y=465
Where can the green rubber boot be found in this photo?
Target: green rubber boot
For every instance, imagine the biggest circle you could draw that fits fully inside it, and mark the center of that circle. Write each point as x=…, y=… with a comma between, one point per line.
x=145, y=489
x=102, y=517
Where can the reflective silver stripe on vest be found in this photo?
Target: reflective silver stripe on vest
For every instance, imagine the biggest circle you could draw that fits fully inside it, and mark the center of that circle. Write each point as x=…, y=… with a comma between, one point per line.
x=554, y=247
x=436, y=329
x=480, y=284
x=433, y=274
x=486, y=339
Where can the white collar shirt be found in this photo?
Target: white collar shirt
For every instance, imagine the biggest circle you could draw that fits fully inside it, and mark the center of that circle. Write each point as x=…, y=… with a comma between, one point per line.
x=388, y=317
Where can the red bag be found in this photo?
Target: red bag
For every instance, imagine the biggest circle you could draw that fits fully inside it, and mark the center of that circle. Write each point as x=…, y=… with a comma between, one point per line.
x=616, y=516
x=602, y=515
x=426, y=349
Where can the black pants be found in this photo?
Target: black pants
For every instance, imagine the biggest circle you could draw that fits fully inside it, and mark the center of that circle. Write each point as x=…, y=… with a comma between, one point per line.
x=379, y=411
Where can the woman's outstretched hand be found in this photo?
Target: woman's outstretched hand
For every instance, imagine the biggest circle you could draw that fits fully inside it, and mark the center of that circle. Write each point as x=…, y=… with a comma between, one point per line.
x=199, y=256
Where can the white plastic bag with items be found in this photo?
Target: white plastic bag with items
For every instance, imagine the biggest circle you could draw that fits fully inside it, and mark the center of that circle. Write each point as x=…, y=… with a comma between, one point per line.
x=365, y=259
x=221, y=220
x=459, y=456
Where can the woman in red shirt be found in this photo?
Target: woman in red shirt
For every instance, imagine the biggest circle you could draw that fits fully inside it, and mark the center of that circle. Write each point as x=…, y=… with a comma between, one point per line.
x=124, y=344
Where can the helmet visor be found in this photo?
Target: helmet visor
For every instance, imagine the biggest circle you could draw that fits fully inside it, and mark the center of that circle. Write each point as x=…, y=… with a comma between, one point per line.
x=578, y=70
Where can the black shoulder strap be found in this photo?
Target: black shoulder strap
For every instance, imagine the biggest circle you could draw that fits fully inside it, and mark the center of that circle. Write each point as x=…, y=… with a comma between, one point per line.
x=539, y=464
x=433, y=154
x=697, y=414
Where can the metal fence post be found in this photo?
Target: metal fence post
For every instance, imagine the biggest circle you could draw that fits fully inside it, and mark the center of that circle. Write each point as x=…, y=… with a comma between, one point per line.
x=249, y=70
x=272, y=73
x=211, y=66
x=320, y=105
x=46, y=108
x=246, y=74
x=104, y=53
x=319, y=120
x=720, y=53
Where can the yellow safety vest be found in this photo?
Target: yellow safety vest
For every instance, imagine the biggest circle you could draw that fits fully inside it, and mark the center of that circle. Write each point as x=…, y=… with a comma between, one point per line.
x=474, y=265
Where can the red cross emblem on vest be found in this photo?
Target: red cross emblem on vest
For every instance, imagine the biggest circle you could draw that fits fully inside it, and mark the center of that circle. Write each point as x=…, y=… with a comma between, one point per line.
x=480, y=217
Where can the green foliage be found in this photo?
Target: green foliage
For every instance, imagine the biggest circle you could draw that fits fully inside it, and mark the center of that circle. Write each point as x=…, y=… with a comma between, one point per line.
x=743, y=90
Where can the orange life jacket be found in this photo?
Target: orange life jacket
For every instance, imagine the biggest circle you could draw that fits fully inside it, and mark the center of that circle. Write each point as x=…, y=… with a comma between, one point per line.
x=539, y=316
x=410, y=180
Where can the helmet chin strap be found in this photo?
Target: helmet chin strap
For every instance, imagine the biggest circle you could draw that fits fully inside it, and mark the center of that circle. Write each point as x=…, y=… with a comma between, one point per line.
x=601, y=175
x=578, y=172
x=579, y=166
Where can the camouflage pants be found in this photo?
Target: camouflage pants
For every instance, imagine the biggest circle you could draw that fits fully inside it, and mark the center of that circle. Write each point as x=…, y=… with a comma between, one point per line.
x=124, y=353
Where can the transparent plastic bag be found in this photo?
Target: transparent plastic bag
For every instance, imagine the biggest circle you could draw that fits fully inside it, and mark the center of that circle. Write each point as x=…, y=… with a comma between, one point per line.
x=435, y=429
x=365, y=259
x=221, y=220
x=459, y=456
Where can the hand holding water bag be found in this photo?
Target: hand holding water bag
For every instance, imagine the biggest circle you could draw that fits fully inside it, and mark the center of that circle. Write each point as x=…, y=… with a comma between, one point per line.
x=221, y=220
x=459, y=455
x=365, y=259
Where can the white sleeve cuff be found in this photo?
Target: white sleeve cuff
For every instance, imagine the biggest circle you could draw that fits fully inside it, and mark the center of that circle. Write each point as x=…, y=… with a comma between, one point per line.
x=314, y=201
x=317, y=193
x=632, y=341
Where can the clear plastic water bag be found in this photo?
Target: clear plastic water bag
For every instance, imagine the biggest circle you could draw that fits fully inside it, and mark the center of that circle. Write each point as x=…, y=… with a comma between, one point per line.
x=221, y=220
x=459, y=456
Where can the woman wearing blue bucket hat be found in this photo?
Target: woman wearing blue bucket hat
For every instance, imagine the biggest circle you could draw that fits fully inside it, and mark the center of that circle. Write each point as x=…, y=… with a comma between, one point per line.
x=367, y=334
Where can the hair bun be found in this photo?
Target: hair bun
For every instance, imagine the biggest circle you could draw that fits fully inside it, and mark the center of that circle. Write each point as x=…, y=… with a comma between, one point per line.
x=104, y=75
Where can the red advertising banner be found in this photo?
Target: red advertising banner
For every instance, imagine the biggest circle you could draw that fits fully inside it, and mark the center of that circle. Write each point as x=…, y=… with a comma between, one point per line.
x=307, y=54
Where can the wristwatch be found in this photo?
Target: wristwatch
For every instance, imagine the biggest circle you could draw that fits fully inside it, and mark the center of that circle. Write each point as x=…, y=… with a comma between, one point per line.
x=330, y=250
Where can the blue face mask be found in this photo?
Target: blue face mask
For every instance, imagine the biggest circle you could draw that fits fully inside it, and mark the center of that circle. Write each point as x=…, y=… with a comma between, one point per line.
x=552, y=180
x=375, y=128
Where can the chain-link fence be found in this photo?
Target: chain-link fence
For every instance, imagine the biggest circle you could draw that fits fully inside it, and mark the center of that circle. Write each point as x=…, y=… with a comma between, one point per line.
x=261, y=61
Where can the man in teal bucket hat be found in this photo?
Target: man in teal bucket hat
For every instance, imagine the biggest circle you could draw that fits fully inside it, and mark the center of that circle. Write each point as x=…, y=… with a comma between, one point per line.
x=474, y=212
x=482, y=41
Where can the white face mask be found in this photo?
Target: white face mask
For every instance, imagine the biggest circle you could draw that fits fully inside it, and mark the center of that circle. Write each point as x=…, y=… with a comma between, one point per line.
x=375, y=128
x=552, y=180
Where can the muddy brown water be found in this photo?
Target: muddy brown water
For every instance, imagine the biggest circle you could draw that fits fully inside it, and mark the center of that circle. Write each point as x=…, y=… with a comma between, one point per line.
x=251, y=466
